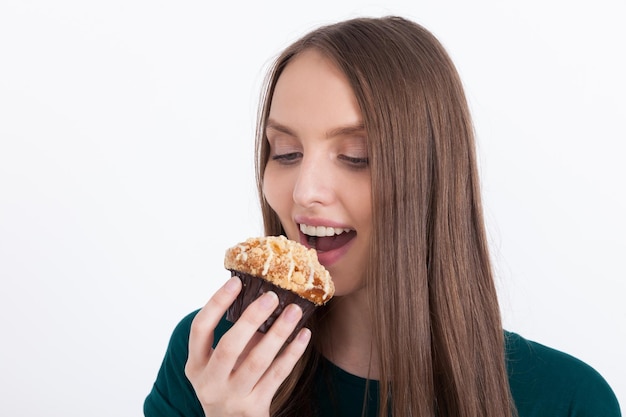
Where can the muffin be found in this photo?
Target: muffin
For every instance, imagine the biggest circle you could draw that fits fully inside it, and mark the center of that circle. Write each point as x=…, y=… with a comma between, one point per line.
x=275, y=263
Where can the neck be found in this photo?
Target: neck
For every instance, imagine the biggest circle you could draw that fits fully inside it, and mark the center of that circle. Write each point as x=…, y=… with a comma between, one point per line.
x=347, y=336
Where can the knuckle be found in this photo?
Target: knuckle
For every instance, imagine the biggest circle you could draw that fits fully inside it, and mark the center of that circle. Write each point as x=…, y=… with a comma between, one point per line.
x=197, y=324
x=256, y=364
x=282, y=330
x=251, y=318
x=279, y=371
x=225, y=350
x=190, y=371
x=219, y=300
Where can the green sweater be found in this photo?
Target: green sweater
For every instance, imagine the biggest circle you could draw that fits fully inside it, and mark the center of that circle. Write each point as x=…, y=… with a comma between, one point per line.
x=544, y=383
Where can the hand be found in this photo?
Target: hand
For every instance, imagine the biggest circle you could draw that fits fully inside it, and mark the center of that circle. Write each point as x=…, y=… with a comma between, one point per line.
x=241, y=375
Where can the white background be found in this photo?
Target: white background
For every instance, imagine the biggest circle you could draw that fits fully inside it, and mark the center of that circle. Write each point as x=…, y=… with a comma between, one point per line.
x=126, y=131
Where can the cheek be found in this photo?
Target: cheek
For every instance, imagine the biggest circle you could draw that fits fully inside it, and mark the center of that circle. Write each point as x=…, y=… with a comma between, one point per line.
x=276, y=190
x=361, y=203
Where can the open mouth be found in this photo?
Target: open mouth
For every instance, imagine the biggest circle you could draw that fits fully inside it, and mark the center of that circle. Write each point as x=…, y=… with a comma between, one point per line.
x=324, y=239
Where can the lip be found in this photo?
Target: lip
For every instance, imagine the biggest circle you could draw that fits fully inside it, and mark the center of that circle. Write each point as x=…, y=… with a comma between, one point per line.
x=329, y=257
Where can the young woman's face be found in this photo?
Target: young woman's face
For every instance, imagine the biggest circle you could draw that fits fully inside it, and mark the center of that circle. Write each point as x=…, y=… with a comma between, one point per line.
x=317, y=177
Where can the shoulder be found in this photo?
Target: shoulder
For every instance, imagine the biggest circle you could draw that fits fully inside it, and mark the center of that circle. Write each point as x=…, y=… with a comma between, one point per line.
x=545, y=381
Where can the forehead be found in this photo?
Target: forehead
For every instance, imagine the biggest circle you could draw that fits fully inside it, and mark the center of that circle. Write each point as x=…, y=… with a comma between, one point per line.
x=312, y=90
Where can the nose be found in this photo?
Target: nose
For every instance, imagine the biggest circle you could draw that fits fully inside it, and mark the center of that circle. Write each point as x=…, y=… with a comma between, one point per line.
x=315, y=183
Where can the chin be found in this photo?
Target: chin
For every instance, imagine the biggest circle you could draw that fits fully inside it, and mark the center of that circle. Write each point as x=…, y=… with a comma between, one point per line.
x=346, y=285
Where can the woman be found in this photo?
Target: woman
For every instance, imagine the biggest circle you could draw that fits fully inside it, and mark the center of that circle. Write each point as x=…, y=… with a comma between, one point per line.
x=364, y=128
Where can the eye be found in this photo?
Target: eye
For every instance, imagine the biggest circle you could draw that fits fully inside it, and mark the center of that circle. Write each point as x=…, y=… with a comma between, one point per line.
x=287, y=158
x=356, y=162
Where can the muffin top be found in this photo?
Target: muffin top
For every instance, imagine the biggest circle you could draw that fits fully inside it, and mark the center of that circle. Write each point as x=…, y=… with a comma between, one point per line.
x=285, y=263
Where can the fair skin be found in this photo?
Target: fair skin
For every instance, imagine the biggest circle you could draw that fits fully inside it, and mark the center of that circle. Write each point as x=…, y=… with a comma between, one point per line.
x=317, y=175
x=317, y=180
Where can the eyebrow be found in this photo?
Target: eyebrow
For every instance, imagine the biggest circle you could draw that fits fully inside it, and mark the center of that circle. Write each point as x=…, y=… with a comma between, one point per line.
x=357, y=129
x=271, y=124
x=350, y=130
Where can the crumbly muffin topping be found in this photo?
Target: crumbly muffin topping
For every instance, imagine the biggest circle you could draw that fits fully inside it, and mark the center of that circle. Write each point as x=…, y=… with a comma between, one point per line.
x=285, y=263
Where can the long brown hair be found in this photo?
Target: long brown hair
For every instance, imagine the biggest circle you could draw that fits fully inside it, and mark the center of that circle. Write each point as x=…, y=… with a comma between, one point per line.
x=437, y=320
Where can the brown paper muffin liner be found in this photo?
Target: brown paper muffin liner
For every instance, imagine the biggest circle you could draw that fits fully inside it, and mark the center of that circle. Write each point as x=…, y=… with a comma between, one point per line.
x=254, y=287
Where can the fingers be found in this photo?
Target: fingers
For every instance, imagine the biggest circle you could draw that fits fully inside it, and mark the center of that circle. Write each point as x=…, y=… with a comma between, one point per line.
x=205, y=322
x=234, y=342
x=261, y=356
x=246, y=367
x=283, y=364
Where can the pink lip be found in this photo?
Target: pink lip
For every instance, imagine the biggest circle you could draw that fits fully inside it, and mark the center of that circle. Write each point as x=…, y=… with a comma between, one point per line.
x=329, y=257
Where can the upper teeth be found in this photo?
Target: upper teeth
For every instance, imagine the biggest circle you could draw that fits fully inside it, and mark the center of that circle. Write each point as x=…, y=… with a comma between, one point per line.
x=321, y=231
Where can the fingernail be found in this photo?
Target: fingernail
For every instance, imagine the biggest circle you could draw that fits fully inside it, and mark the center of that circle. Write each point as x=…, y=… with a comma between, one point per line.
x=293, y=313
x=269, y=299
x=304, y=336
x=232, y=285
